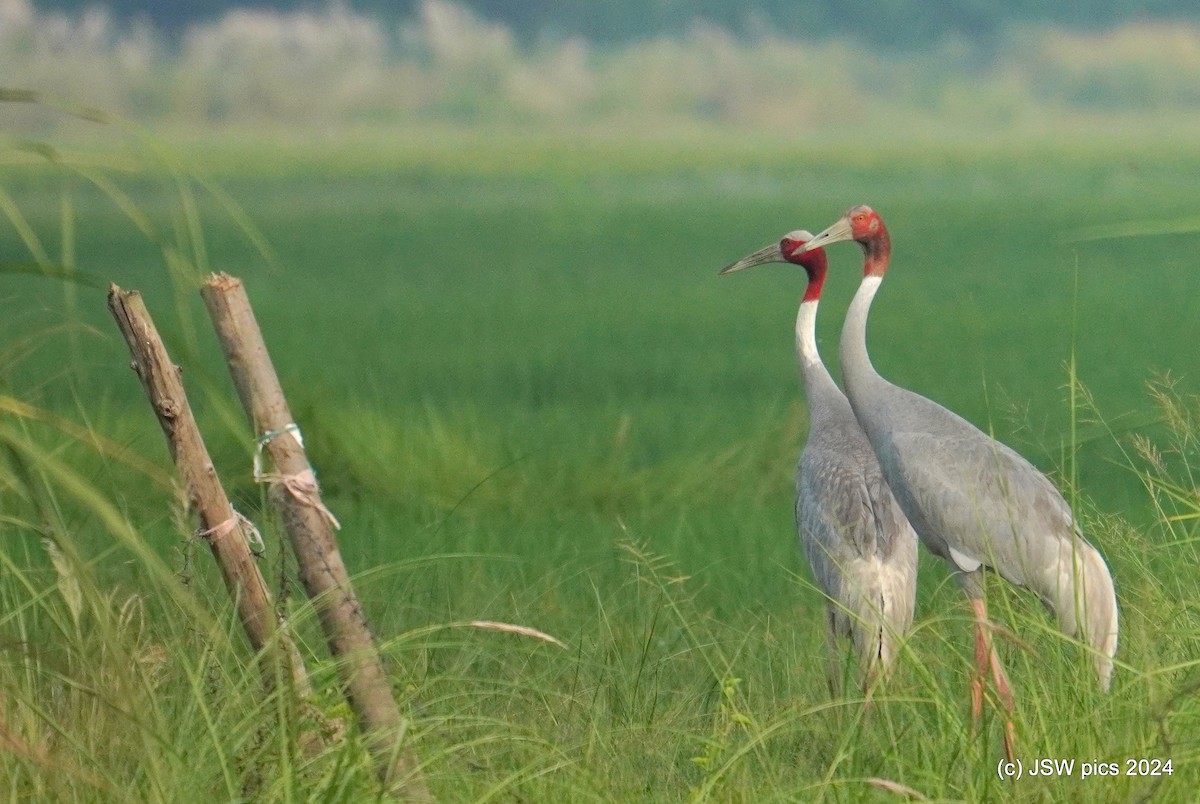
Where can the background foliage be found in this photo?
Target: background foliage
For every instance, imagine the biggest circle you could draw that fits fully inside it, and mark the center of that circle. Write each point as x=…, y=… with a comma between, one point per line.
x=900, y=24
x=444, y=61
x=483, y=255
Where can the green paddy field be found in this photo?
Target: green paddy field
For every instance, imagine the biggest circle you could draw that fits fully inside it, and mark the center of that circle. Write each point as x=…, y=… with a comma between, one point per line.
x=530, y=399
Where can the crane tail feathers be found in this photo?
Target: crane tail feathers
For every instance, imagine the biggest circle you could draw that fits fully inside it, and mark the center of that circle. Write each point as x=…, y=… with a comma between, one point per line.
x=1100, y=609
x=1087, y=597
x=880, y=612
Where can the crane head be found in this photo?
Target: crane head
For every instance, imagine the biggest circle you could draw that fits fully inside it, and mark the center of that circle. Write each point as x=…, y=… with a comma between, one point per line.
x=860, y=223
x=864, y=226
x=790, y=248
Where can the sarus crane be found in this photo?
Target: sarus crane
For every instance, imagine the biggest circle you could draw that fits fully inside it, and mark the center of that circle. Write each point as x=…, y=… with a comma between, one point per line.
x=973, y=501
x=862, y=551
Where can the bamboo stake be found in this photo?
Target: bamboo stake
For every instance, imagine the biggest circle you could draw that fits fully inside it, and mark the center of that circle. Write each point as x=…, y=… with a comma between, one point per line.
x=310, y=527
x=224, y=530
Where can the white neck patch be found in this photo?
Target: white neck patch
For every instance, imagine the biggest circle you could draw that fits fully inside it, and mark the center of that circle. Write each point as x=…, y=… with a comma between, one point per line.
x=806, y=332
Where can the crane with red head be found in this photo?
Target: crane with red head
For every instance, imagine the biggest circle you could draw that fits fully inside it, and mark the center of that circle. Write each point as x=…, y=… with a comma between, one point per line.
x=974, y=502
x=862, y=551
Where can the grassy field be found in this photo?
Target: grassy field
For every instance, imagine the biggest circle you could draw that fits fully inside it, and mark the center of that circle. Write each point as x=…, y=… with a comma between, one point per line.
x=530, y=399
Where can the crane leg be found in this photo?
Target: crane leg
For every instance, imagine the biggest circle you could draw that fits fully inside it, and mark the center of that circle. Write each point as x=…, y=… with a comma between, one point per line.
x=987, y=662
x=870, y=680
x=981, y=664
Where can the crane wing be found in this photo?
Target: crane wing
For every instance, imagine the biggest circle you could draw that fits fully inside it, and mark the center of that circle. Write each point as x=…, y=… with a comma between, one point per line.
x=977, y=502
x=860, y=546
x=833, y=508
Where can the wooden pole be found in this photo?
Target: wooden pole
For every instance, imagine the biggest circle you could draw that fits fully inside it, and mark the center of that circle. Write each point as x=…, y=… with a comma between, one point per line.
x=221, y=525
x=310, y=527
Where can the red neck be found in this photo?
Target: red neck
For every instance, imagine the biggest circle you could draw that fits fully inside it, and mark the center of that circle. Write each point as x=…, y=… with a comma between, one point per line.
x=816, y=280
x=815, y=264
x=877, y=249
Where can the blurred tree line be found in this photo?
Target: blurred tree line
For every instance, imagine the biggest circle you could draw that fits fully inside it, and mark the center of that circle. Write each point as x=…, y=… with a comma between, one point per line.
x=898, y=24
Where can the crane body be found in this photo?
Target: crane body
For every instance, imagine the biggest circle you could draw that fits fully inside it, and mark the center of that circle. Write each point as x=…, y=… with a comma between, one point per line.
x=861, y=549
x=973, y=501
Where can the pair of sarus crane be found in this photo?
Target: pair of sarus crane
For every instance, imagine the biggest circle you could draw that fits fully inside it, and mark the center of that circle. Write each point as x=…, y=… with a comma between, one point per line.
x=884, y=467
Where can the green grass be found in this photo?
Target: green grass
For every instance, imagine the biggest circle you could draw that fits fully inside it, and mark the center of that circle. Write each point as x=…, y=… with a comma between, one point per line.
x=530, y=399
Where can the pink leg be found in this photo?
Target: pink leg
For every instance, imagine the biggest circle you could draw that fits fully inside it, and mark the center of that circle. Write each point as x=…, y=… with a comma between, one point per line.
x=986, y=660
x=981, y=668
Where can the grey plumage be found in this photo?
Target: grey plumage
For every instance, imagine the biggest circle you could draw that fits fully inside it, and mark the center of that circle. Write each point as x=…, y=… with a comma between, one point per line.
x=861, y=549
x=973, y=501
x=977, y=504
